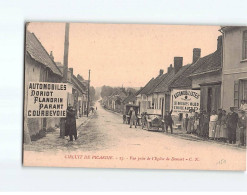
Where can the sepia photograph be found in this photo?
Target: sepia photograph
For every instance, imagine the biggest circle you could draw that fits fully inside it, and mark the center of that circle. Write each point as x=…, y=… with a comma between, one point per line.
x=139, y=96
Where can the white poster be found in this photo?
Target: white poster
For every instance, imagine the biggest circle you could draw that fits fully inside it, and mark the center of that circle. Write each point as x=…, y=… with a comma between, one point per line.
x=183, y=100
x=46, y=100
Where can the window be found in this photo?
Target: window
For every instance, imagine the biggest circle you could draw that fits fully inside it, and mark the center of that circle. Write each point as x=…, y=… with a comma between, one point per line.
x=245, y=45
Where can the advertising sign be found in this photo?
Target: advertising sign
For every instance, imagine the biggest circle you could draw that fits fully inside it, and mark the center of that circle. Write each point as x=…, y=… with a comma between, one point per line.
x=184, y=100
x=46, y=100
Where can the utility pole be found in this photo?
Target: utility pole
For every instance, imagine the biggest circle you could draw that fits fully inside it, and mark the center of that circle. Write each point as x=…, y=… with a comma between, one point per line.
x=88, y=92
x=65, y=73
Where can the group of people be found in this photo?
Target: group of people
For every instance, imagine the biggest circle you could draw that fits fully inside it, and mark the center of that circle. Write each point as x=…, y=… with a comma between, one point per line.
x=220, y=125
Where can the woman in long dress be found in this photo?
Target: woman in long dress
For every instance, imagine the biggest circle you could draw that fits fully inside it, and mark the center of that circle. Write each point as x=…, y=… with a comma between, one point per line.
x=212, y=124
x=223, y=127
x=190, y=128
x=218, y=125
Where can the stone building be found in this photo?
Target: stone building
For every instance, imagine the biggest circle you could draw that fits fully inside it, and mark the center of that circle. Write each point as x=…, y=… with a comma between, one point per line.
x=207, y=77
x=234, y=71
x=39, y=67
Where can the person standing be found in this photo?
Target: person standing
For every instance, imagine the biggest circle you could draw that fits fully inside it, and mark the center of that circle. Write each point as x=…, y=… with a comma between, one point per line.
x=212, y=124
x=168, y=121
x=133, y=117
x=223, y=126
x=206, y=119
x=243, y=106
x=201, y=121
x=232, y=121
x=191, y=121
x=242, y=126
x=185, y=122
x=71, y=124
x=196, y=123
x=218, y=124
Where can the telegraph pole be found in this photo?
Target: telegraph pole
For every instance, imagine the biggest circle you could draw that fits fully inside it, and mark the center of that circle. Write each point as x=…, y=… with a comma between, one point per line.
x=88, y=92
x=65, y=72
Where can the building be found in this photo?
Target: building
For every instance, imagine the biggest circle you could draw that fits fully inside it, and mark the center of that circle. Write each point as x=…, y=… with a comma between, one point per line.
x=77, y=91
x=141, y=96
x=39, y=67
x=207, y=77
x=234, y=71
x=162, y=91
x=115, y=101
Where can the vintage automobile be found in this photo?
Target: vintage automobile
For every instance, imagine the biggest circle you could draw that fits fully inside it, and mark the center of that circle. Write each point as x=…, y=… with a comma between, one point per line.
x=126, y=117
x=152, y=122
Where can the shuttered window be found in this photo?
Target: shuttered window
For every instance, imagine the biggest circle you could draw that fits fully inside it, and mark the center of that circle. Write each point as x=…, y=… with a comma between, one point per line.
x=245, y=45
x=236, y=93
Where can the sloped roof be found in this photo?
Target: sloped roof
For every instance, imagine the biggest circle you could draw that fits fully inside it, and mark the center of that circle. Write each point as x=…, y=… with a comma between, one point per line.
x=35, y=49
x=163, y=86
x=157, y=81
x=130, y=98
x=209, y=63
x=146, y=88
x=183, y=80
x=119, y=93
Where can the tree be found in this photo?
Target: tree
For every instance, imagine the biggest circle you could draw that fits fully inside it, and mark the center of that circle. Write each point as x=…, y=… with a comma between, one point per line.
x=106, y=91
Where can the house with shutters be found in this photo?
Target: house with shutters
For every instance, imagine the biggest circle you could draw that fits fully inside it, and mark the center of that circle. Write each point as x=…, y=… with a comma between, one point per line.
x=234, y=69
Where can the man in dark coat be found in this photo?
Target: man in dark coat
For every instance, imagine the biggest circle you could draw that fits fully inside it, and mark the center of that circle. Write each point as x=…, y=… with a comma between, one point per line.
x=71, y=124
x=232, y=121
x=168, y=121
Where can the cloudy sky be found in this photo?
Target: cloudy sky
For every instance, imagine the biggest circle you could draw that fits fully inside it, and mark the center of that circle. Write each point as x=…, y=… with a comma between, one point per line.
x=124, y=54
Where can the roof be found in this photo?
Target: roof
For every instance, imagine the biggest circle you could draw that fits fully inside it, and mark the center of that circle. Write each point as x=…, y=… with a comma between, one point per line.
x=209, y=63
x=158, y=80
x=119, y=93
x=146, y=88
x=37, y=52
x=130, y=98
x=183, y=80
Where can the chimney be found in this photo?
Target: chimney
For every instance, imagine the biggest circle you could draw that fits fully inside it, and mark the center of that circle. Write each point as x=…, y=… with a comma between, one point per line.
x=71, y=70
x=161, y=72
x=169, y=69
x=178, y=63
x=51, y=55
x=219, y=42
x=196, y=54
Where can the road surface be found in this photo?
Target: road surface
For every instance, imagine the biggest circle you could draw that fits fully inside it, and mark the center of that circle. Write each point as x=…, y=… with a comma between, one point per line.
x=105, y=136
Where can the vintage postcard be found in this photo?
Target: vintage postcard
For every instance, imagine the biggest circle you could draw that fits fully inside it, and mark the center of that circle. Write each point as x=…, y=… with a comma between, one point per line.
x=135, y=96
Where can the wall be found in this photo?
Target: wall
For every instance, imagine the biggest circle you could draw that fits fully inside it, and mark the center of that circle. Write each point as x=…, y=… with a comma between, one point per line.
x=36, y=72
x=32, y=73
x=234, y=67
x=206, y=78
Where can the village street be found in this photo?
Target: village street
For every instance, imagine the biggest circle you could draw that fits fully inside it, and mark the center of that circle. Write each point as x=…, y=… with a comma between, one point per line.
x=105, y=133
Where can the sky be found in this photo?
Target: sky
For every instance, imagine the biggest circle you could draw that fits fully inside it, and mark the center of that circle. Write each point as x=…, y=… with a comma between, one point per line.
x=124, y=54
